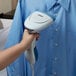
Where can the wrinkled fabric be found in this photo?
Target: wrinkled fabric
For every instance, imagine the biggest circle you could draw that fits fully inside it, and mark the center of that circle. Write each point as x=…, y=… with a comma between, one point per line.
x=57, y=44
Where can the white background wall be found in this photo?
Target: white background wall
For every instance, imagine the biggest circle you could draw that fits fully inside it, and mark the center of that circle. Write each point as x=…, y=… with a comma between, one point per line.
x=5, y=5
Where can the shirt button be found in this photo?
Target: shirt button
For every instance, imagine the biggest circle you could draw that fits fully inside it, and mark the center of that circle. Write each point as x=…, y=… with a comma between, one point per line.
x=56, y=44
x=56, y=30
x=55, y=74
x=55, y=58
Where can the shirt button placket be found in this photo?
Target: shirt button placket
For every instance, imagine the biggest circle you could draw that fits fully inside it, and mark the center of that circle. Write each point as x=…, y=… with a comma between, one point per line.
x=55, y=58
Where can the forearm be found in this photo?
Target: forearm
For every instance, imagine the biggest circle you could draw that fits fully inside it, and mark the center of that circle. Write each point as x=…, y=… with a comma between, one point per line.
x=9, y=55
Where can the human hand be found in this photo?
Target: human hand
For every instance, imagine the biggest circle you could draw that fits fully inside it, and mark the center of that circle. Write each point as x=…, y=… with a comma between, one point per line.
x=28, y=38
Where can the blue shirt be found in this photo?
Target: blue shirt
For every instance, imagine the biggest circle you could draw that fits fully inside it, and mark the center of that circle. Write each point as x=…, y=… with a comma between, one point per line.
x=57, y=44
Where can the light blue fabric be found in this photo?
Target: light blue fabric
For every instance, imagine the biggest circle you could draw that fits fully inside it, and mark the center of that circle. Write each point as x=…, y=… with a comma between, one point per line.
x=57, y=44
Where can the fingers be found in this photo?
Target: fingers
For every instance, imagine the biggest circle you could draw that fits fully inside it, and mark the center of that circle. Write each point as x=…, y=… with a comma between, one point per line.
x=35, y=35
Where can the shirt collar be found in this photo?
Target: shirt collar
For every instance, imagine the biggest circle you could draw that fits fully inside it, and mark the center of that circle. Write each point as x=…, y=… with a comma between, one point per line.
x=64, y=3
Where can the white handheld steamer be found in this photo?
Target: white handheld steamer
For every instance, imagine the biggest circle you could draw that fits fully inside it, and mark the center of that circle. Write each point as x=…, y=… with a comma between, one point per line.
x=36, y=22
